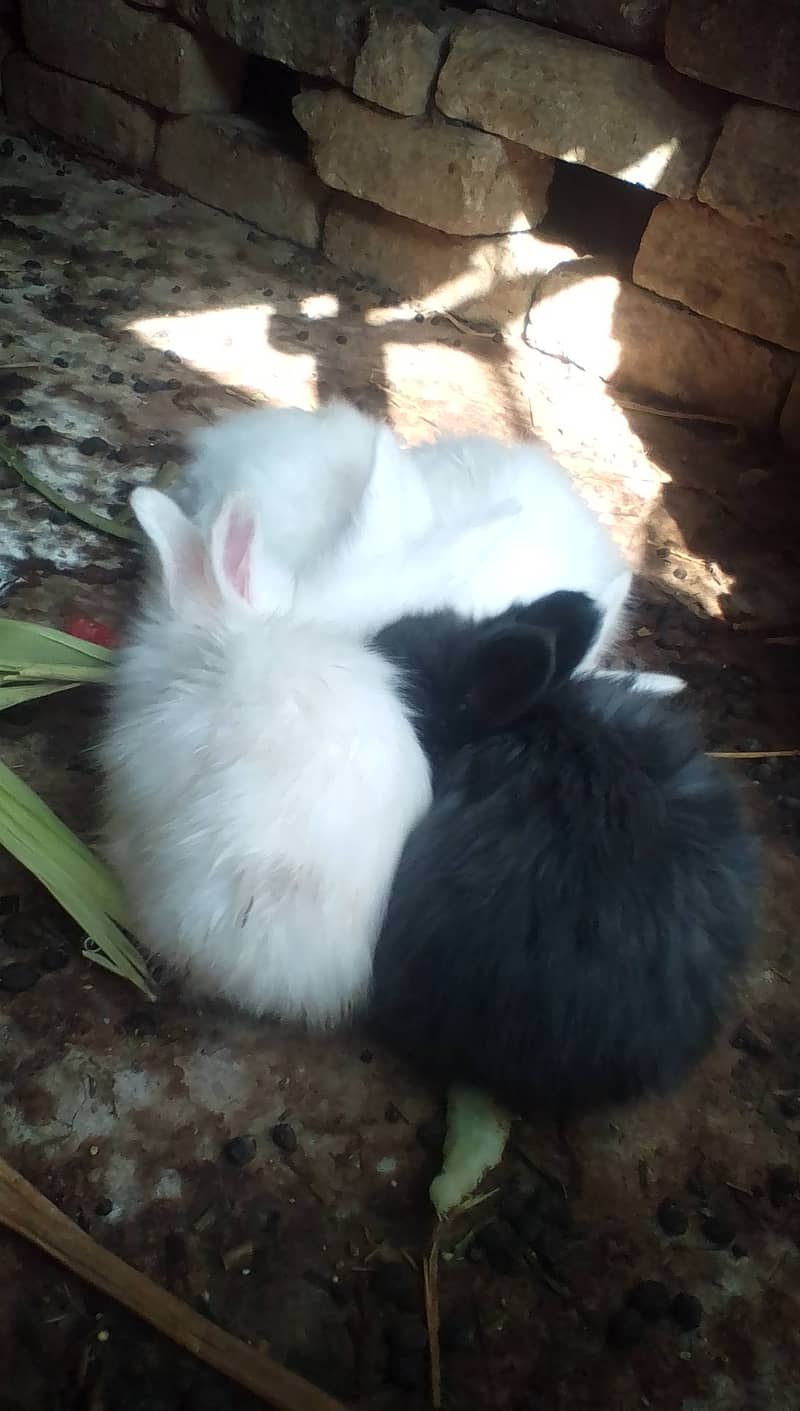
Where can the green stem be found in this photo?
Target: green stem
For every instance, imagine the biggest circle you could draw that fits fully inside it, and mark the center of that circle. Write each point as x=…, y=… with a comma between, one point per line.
x=100, y=522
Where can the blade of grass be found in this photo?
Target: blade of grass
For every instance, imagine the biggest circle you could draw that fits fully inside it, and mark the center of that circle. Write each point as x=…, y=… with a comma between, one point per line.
x=23, y=642
x=102, y=523
x=27, y=840
x=28, y=810
x=12, y=695
x=38, y=661
x=78, y=880
x=109, y=940
x=91, y=951
x=82, y=902
x=86, y=875
x=77, y=675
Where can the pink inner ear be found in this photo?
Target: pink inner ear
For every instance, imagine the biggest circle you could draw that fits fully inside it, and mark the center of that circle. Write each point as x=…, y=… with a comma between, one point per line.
x=236, y=555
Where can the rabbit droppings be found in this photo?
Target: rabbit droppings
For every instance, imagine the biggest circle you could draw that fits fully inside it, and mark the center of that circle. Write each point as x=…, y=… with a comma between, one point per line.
x=262, y=775
x=567, y=919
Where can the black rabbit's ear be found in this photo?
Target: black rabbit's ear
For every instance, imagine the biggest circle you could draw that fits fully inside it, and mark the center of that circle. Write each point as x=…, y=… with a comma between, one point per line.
x=507, y=670
x=574, y=621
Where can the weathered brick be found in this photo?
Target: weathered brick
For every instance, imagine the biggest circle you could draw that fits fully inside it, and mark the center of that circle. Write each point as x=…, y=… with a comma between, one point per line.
x=790, y=416
x=635, y=25
x=744, y=46
x=462, y=182
x=400, y=58
x=232, y=164
x=637, y=342
x=83, y=113
x=320, y=37
x=615, y=112
x=754, y=173
x=486, y=279
x=737, y=276
x=141, y=54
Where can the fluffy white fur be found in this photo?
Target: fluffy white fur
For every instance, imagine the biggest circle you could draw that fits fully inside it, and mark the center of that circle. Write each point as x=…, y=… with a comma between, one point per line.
x=544, y=538
x=555, y=542
x=307, y=470
x=343, y=502
x=262, y=775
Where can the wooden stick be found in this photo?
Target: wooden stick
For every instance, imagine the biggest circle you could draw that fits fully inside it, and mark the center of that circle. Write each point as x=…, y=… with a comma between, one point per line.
x=28, y=1213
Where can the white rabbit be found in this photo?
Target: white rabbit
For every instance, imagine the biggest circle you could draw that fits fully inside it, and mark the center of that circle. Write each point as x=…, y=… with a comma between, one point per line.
x=308, y=471
x=340, y=498
x=262, y=774
x=420, y=497
x=555, y=543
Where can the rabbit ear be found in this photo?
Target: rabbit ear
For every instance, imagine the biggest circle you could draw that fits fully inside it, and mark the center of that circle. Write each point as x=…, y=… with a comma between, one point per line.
x=178, y=545
x=506, y=671
x=572, y=618
x=243, y=572
x=394, y=504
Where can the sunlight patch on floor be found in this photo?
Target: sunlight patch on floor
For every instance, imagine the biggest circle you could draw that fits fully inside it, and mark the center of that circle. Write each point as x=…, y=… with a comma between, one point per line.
x=233, y=346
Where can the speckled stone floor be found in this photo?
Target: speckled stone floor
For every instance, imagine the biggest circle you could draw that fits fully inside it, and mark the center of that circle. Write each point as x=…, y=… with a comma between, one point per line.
x=126, y=317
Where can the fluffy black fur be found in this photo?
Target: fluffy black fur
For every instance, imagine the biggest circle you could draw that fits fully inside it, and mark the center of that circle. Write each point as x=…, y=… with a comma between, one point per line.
x=566, y=922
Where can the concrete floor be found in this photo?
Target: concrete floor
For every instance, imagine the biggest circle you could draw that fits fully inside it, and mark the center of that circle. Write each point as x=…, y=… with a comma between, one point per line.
x=131, y=316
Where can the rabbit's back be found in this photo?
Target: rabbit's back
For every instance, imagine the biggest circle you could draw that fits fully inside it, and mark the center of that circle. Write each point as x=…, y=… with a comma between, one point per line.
x=259, y=791
x=556, y=542
x=566, y=921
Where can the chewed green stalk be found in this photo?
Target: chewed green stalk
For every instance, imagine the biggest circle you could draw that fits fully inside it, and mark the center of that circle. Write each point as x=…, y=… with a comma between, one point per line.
x=477, y=1133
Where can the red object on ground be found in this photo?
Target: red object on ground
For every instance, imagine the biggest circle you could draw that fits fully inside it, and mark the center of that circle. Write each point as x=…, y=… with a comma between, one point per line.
x=91, y=631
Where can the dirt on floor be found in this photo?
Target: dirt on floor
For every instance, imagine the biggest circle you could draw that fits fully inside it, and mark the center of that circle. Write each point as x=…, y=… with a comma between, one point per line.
x=648, y=1258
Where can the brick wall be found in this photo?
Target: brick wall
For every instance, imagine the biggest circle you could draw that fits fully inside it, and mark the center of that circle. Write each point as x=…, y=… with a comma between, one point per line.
x=433, y=135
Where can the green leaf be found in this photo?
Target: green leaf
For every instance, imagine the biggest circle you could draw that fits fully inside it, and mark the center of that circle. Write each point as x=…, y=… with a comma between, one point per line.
x=13, y=695
x=37, y=661
x=83, y=513
x=22, y=643
x=77, y=675
x=24, y=809
x=80, y=882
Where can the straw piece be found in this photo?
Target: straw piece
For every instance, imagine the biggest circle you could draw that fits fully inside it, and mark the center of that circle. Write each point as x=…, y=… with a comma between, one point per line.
x=430, y=1275
x=754, y=754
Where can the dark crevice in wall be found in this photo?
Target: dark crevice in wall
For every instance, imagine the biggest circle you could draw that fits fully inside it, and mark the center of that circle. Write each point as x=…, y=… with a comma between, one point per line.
x=269, y=88
x=597, y=214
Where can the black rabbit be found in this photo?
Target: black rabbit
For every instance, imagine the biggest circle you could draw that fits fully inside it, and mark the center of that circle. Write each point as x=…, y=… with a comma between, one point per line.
x=566, y=921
